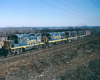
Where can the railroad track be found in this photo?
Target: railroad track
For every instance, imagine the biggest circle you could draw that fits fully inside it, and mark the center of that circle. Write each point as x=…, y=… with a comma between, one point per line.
x=59, y=68
x=49, y=50
x=53, y=46
x=5, y=62
x=63, y=67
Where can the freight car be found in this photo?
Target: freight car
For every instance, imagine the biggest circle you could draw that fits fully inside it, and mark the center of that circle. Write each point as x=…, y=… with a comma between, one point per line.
x=72, y=35
x=18, y=43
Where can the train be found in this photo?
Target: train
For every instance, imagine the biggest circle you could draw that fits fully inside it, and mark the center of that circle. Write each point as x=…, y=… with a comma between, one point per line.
x=19, y=43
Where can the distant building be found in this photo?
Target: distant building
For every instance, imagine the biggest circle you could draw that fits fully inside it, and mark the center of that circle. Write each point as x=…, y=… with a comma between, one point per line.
x=87, y=32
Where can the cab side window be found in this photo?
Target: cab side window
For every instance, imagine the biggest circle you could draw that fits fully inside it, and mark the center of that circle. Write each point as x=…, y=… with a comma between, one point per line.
x=31, y=34
x=38, y=34
x=62, y=34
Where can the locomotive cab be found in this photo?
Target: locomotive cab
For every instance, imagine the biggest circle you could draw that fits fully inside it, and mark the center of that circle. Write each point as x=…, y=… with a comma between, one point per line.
x=66, y=35
x=12, y=40
x=45, y=38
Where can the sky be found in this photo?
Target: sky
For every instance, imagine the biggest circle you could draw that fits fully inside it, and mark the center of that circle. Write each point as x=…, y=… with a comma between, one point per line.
x=49, y=13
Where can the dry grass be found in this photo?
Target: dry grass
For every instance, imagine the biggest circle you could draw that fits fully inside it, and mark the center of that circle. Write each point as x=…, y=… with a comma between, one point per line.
x=53, y=65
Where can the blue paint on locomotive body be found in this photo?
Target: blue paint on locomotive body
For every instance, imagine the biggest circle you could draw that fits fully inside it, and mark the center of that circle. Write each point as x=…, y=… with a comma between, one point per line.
x=35, y=38
x=57, y=36
x=26, y=39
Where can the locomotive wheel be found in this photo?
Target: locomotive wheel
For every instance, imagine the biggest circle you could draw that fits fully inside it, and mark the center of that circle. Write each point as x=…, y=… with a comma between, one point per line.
x=8, y=54
x=15, y=53
x=43, y=45
x=12, y=52
x=62, y=42
x=50, y=44
x=55, y=43
x=18, y=51
x=23, y=50
x=65, y=41
x=5, y=53
x=37, y=47
x=70, y=40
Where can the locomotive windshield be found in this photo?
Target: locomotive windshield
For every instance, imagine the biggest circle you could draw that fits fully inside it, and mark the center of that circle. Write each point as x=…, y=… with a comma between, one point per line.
x=38, y=34
x=13, y=37
x=45, y=35
x=31, y=34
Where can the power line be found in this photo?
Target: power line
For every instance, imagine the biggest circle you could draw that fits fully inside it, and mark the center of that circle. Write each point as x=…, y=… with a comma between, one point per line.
x=62, y=9
x=57, y=7
x=72, y=8
x=88, y=5
x=66, y=11
x=95, y=4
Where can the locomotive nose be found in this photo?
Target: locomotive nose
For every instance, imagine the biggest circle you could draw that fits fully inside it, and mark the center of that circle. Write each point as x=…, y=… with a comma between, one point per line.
x=3, y=52
x=7, y=44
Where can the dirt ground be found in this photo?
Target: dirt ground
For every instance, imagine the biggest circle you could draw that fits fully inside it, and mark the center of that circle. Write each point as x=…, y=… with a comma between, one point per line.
x=79, y=63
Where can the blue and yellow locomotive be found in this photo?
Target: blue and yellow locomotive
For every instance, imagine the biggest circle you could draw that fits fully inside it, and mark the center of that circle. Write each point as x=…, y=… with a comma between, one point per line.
x=18, y=43
x=54, y=37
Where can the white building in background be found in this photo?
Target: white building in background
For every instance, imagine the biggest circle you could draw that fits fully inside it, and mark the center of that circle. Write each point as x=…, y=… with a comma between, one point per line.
x=88, y=32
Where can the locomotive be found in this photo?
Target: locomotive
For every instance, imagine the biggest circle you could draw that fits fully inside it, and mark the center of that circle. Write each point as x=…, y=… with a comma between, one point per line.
x=18, y=43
